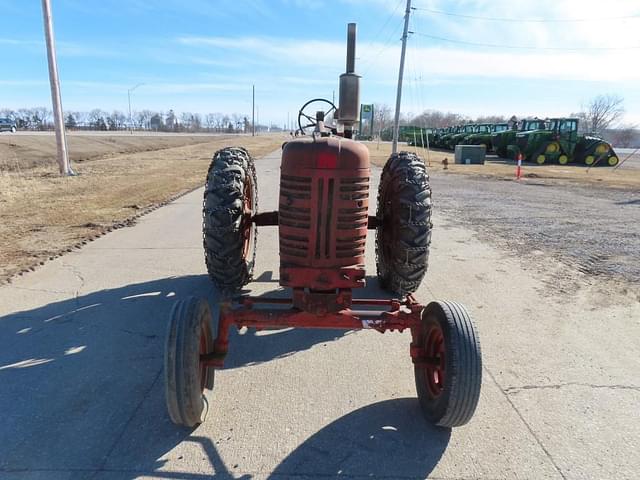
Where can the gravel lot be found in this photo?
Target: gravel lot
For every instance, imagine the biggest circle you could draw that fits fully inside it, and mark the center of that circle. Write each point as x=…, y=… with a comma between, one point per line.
x=596, y=230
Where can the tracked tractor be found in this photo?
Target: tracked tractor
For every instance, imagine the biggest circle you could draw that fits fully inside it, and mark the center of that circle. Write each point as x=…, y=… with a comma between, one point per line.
x=322, y=221
x=560, y=143
x=504, y=142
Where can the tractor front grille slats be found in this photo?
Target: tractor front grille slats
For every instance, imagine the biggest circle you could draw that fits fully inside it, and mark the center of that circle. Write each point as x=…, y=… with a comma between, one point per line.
x=323, y=219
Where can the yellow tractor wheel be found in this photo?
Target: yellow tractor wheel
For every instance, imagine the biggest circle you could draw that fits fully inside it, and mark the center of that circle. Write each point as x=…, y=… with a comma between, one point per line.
x=589, y=159
x=602, y=149
x=563, y=159
x=553, y=147
x=612, y=161
x=541, y=159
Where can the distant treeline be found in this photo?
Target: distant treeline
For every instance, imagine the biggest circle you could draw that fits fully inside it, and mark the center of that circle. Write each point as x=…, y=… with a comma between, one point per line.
x=41, y=118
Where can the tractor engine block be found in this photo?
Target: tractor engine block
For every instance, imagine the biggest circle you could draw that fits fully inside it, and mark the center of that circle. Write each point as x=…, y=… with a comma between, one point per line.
x=323, y=214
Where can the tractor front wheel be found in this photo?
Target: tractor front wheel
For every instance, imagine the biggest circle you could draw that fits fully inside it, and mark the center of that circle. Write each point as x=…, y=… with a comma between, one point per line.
x=186, y=378
x=403, y=234
x=230, y=201
x=449, y=375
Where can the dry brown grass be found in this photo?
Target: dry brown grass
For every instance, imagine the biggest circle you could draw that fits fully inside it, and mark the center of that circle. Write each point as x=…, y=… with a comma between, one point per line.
x=43, y=215
x=21, y=151
x=625, y=177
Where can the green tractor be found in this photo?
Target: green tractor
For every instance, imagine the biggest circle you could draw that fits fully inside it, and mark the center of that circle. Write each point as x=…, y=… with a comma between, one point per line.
x=456, y=138
x=560, y=143
x=444, y=139
x=501, y=140
x=419, y=136
x=437, y=137
x=484, y=133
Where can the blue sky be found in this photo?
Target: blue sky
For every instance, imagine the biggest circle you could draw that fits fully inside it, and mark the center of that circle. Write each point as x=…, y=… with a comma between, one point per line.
x=203, y=56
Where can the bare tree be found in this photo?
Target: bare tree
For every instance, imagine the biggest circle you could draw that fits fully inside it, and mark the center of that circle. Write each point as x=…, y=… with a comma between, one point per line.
x=437, y=119
x=96, y=118
x=625, y=136
x=603, y=111
x=210, y=120
x=491, y=119
x=382, y=117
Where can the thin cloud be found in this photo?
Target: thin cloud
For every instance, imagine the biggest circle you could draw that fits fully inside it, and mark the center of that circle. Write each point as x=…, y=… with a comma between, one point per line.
x=431, y=61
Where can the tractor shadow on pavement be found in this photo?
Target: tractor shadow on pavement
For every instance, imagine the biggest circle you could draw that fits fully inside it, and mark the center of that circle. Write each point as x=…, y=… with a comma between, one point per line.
x=82, y=389
x=387, y=439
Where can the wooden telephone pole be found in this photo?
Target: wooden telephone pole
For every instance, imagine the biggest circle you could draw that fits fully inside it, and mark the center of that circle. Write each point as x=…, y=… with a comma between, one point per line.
x=58, y=117
x=396, y=121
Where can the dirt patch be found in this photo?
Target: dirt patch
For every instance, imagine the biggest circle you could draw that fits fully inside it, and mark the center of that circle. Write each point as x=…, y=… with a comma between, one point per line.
x=43, y=215
x=594, y=230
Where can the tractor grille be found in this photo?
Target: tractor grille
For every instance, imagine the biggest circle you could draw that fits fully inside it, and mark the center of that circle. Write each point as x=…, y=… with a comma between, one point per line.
x=352, y=218
x=323, y=220
x=295, y=242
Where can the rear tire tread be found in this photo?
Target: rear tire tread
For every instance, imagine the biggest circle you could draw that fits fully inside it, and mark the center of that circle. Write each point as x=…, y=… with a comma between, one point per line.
x=222, y=214
x=404, y=186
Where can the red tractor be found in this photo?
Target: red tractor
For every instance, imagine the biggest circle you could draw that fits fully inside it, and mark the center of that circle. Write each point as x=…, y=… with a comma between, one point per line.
x=323, y=220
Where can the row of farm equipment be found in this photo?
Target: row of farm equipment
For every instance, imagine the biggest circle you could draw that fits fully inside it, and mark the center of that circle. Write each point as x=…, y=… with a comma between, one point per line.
x=553, y=140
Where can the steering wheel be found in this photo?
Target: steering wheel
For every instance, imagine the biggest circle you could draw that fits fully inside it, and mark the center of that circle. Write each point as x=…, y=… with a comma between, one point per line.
x=310, y=120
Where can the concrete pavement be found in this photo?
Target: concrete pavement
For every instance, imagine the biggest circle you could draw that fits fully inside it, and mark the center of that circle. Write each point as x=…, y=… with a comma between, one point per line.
x=81, y=394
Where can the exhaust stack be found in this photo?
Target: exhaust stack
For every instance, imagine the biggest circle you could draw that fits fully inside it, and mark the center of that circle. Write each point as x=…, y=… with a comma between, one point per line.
x=349, y=95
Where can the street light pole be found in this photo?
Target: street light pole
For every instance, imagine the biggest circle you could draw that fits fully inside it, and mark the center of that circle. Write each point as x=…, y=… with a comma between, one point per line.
x=56, y=99
x=253, y=110
x=129, y=97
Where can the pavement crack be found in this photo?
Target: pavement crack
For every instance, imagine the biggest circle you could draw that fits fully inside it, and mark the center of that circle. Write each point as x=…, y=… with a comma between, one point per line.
x=78, y=275
x=526, y=424
x=557, y=386
x=140, y=334
x=119, y=437
x=39, y=290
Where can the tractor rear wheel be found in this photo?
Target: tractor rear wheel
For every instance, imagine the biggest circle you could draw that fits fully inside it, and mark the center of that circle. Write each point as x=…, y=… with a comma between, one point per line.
x=230, y=200
x=449, y=376
x=188, y=337
x=404, y=227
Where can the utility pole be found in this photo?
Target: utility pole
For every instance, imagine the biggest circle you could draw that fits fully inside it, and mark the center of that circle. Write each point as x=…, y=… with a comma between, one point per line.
x=129, y=96
x=56, y=100
x=396, y=121
x=253, y=111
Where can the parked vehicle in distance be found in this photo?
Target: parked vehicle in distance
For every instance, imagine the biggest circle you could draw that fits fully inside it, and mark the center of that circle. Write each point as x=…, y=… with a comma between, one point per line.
x=560, y=143
x=483, y=136
x=7, y=125
x=456, y=139
x=502, y=140
x=419, y=136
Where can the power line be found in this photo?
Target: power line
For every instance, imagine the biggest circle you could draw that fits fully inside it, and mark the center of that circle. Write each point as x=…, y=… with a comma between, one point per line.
x=393, y=37
x=391, y=15
x=368, y=63
x=523, y=47
x=526, y=20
